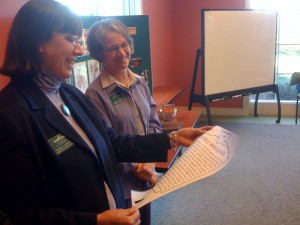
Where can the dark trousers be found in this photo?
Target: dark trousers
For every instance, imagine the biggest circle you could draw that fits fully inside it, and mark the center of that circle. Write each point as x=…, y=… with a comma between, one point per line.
x=145, y=212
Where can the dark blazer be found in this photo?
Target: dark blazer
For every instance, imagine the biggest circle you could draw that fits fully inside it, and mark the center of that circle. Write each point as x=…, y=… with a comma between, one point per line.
x=48, y=174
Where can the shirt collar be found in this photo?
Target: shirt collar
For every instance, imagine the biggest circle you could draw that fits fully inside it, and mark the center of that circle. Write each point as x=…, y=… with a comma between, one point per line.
x=107, y=79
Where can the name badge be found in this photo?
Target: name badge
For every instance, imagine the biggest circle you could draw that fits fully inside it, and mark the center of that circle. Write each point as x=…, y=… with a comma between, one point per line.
x=60, y=143
x=116, y=99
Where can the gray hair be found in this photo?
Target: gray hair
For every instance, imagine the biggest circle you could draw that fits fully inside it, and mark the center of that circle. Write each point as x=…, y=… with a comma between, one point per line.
x=97, y=33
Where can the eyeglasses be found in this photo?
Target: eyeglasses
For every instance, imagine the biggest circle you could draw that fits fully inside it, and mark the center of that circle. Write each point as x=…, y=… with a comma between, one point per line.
x=115, y=48
x=74, y=39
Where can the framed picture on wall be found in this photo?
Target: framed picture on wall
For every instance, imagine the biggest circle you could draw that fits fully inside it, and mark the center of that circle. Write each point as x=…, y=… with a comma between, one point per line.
x=80, y=73
x=93, y=68
x=132, y=46
x=84, y=41
x=70, y=80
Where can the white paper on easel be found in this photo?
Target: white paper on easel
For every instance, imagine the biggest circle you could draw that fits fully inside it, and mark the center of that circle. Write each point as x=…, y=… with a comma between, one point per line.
x=207, y=155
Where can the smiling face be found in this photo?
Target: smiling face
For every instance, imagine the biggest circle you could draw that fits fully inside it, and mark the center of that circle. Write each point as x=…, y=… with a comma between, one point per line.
x=116, y=54
x=59, y=54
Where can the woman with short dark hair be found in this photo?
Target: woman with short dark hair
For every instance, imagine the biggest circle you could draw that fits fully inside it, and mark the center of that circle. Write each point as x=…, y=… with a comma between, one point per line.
x=58, y=160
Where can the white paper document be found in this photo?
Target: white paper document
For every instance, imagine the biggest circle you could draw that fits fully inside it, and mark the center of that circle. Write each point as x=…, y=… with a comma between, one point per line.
x=207, y=155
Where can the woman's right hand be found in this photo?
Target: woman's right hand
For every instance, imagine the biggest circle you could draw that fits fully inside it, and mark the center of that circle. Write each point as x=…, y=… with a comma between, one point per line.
x=146, y=171
x=186, y=136
x=129, y=216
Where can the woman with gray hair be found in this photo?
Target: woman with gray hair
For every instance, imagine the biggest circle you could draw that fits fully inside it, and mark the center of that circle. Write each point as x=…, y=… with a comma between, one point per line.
x=123, y=99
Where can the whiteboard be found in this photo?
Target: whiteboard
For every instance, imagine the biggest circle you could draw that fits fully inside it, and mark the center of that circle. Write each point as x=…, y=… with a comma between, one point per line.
x=239, y=49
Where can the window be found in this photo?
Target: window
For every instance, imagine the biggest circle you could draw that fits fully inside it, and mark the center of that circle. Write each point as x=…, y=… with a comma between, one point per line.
x=104, y=7
x=288, y=46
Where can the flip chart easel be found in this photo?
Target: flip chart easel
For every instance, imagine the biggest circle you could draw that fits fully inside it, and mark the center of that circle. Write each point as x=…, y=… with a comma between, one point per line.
x=237, y=57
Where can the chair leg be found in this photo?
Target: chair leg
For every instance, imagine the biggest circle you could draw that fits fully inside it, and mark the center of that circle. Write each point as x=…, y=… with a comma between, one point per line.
x=297, y=109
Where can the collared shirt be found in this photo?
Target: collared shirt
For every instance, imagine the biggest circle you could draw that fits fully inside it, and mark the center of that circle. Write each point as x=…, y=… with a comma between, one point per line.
x=108, y=80
x=125, y=109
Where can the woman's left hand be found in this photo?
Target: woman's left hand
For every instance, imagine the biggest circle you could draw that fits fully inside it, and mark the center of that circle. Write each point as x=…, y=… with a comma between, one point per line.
x=146, y=171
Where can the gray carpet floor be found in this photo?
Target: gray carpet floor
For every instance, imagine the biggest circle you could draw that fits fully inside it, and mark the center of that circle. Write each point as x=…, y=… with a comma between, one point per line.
x=260, y=186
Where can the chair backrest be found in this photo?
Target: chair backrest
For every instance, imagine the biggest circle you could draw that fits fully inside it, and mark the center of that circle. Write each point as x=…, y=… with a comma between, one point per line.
x=298, y=88
x=295, y=78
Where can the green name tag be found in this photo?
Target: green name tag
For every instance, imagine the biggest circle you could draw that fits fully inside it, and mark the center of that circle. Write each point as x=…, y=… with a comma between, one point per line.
x=116, y=99
x=60, y=143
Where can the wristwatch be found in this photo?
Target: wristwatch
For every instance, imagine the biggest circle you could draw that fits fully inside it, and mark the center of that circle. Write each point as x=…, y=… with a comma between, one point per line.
x=173, y=139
